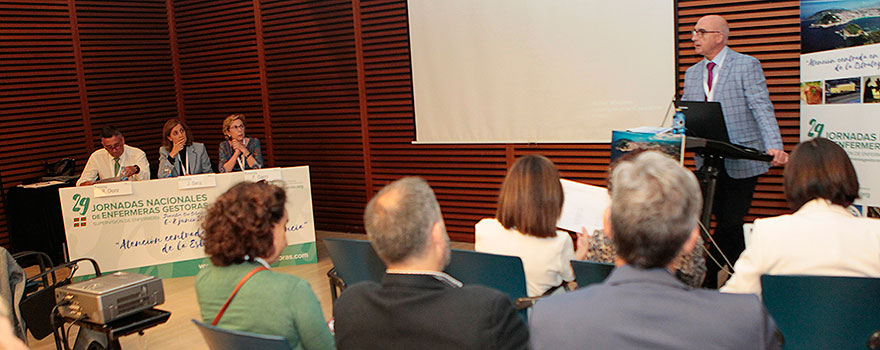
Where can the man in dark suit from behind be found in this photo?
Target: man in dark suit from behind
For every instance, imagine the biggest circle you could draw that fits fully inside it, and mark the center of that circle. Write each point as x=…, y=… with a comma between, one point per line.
x=655, y=205
x=417, y=306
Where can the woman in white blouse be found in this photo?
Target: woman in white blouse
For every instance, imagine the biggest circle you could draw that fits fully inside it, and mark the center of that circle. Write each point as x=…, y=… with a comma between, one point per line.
x=822, y=237
x=524, y=225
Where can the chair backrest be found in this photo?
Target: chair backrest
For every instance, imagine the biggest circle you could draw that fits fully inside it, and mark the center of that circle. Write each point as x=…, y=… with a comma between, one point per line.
x=823, y=312
x=228, y=339
x=589, y=272
x=501, y=272
x=355, y=260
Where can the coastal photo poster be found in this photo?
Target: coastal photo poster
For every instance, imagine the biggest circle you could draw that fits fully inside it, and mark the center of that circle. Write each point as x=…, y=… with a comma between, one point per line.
x=840, y=85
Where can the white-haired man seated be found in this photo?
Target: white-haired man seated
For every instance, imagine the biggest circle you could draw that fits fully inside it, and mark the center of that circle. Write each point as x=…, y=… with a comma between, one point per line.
x=655, y=205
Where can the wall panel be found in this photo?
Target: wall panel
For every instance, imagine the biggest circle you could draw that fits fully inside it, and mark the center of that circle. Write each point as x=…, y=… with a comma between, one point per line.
x=313, y=94
x=219, y=68
x=40, y=107
x=128, y=73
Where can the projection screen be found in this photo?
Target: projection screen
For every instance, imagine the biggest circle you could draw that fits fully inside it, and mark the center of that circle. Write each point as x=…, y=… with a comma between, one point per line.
x=524, y=71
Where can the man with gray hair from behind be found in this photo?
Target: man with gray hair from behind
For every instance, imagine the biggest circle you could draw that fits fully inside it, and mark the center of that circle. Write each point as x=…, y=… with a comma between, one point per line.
x=417, y=306
x=655, y=206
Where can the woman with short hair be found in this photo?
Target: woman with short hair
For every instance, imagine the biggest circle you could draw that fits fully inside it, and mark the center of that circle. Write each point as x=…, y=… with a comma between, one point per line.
x=179, y=155
x=529, y=205
x=238, y=152
x=822, y=237
x=243, y=232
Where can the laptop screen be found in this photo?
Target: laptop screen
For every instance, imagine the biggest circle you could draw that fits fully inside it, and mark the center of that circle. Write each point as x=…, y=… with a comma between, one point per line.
x=704, y=119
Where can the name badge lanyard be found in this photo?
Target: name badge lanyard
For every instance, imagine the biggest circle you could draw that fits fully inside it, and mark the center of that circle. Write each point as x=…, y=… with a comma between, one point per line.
x=185, y=167
x=241, y=162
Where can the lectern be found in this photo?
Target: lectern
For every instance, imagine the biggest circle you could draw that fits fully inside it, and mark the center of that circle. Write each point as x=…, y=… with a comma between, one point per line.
x=713, y=153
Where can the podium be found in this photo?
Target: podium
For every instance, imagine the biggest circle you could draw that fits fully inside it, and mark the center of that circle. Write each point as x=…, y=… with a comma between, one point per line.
x=713, y=153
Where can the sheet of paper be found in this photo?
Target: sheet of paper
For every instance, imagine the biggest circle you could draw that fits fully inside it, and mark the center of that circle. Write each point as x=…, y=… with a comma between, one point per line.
x=583, y=207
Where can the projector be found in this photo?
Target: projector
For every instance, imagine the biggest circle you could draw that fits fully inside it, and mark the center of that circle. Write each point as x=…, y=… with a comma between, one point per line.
x=109, y=297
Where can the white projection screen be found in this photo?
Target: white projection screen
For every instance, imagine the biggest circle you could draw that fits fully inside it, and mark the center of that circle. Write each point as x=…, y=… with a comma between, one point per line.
x=532, y=71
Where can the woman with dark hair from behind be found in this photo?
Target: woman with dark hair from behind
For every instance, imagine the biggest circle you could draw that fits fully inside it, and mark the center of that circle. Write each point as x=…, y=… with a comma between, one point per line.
x=244, y=231
x=524, y=225
x=179, y=155
x=822, y=237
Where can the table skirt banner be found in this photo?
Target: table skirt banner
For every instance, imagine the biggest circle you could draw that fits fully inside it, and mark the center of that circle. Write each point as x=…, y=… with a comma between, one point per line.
x=153, y=227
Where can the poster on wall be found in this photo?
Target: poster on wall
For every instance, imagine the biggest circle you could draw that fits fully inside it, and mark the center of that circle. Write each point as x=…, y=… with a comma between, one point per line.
x=153, y=227
x=840, y=85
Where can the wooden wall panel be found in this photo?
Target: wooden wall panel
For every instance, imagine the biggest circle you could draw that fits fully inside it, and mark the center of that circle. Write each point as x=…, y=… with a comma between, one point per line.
x=219, y=68
x=40, y=109
x=313, y=95
x=129, y=77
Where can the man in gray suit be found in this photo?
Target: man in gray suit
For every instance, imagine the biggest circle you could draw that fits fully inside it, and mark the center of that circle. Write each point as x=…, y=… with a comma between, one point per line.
x=655, y=206
x=737, y=82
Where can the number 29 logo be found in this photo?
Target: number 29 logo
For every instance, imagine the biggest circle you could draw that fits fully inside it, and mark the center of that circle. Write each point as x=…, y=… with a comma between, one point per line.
x=80, y=204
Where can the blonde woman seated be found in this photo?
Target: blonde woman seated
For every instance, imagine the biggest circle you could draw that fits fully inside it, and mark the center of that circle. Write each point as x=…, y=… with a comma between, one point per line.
x=179, y=155
x=238, y=152
x=822, y=237
x=243, y=232
x=529, y=206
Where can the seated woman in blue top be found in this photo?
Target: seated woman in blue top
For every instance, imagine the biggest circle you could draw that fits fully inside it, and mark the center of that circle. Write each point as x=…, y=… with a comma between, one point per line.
x=179, y=155
x=245, y=231
x=238, y=152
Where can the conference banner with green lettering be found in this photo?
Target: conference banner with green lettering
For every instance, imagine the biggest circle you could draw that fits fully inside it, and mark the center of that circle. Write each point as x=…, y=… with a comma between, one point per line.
x=840, y=85
x=153, y=227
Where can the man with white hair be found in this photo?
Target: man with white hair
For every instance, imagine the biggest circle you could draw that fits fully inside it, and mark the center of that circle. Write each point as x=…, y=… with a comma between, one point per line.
x=417, y=306
x=655, y=206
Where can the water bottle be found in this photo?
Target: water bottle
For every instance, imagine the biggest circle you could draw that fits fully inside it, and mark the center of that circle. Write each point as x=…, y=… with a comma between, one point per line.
x=678, y=122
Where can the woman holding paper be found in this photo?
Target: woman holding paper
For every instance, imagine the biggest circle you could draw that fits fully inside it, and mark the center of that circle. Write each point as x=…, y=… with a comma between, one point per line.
x=238, y=152
x=524, y=225
x=179, y=155
x=243, y=233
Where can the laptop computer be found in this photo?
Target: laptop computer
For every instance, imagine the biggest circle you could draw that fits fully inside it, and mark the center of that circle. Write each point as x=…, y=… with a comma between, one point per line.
x=704, y=119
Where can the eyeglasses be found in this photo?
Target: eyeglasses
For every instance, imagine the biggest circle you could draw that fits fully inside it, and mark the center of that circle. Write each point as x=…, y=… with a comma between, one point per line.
x=701, y=32
x=241, y=126
x=112, y=147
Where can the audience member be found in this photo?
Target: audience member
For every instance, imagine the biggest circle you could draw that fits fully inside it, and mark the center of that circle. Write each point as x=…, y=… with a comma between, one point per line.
x=179, y=155
x=821, y=237
x=417, y=306
x=244, y=232
x=524, y=225
x=238, y=152
x=115, y=160
x=655, y=206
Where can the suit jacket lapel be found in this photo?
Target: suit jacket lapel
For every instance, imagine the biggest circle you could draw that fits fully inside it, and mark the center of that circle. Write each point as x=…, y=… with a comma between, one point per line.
x=726, y=68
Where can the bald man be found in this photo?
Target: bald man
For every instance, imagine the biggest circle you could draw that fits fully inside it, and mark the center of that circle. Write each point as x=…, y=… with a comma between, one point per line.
x=737, y=82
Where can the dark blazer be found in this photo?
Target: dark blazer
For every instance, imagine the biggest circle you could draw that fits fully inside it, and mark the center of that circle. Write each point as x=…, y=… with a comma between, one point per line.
x=423, y=312
x=650, y=309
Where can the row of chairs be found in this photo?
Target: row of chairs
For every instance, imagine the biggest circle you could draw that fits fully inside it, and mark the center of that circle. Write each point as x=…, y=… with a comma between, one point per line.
x=812, y=312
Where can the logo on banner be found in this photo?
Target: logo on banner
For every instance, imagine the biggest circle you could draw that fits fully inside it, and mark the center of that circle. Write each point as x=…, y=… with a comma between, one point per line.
x=815, y=128
x=79, y=222
x=80, y=204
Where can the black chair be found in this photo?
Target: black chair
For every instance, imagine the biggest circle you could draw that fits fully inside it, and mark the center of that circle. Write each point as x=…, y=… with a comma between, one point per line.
x=228, y=339
x=590, y=272
x=824, y=312
x=38, y=307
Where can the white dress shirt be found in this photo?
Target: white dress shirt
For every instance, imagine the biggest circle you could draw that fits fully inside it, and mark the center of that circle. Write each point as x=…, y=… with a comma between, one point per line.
x=101, y=165
x=546, y=261
x=819, y=239
x=716, y=72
